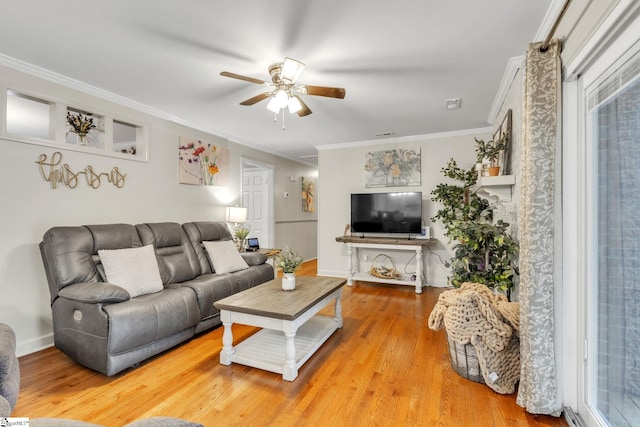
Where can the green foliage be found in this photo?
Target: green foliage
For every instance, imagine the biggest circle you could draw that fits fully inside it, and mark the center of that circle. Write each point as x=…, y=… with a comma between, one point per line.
x=289, y=261
x=458, y=202
x=489, y=150
x=484, y=252
x=241, y=231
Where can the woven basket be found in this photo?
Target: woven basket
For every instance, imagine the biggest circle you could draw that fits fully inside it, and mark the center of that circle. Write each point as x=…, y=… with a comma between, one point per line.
x=464, y=360
x=384, y=267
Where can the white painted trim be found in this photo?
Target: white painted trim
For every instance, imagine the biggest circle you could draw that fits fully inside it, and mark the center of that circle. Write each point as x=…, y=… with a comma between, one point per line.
x=547, y=22
x=621, y=16
x=412, y=138
x=34, y=345
x=513, y=66
x=51, y=76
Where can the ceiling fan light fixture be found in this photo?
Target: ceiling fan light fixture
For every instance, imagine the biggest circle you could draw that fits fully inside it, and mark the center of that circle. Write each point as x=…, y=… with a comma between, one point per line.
x=282, y=98
x=273, y=105
x=291, y=70
x=294, y=104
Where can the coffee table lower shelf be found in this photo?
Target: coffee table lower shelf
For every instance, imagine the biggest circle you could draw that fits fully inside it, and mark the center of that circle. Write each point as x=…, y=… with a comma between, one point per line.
x=266, y=348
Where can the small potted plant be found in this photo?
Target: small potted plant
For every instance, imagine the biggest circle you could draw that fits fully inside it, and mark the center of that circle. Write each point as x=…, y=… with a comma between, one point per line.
x=289, y=261
x=241, y=231
x=81, y=125
x=490, y=151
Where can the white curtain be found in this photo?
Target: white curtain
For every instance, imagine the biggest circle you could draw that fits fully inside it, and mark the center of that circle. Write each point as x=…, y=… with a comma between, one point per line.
x=537, y=392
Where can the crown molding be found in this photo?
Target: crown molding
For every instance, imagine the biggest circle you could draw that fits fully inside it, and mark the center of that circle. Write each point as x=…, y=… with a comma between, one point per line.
x=412, y=138
x=513, y=66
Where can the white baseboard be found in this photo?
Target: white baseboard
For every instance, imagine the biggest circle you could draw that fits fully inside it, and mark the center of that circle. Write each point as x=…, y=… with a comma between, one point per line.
x=33, y=345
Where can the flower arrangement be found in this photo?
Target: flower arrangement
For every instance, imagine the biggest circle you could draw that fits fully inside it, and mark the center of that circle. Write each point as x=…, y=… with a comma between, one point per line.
x=289, y=261
x=202, y=161
x=241, y=231
x=79, y=123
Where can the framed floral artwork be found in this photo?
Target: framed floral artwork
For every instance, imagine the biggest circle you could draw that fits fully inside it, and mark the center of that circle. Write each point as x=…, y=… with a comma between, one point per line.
x=308, y=195
x=392, y=168
x=202, y=163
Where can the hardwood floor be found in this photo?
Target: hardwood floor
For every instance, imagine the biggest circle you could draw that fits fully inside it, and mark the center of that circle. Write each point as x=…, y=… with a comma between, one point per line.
x=385, y=367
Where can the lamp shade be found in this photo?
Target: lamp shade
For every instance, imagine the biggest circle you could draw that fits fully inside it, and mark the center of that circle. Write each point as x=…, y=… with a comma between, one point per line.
x=236, y=214
x=294, y=104
x=273, y=105
x=291, y=70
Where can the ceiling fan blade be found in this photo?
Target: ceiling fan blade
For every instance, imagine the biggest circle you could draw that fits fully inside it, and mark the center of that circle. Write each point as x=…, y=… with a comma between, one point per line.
x=256, y=98
x=304, y=111
x=331, y=92
x=241, y=77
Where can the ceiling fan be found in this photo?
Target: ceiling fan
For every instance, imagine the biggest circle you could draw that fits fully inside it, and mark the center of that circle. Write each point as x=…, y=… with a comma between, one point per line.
x=283, y=89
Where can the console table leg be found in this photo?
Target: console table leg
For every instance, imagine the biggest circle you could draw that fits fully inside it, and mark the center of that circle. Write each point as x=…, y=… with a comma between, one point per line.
x=349, y=265
x=227, y=344
x=338, y=310
x=290, y=371
x=419, y=270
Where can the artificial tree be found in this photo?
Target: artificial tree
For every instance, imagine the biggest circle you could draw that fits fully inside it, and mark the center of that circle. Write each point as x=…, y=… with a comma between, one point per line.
x=483, y=252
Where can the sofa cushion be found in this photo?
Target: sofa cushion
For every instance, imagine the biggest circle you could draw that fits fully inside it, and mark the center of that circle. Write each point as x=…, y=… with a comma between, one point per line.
x=254, y=258
x=134, y=269
x=9, y=368
x=176, y=257
x=199, y=232
x=225, y=257
x=149, y=318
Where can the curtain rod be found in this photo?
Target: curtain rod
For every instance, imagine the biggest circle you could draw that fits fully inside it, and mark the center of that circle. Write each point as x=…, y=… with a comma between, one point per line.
x=545, y=43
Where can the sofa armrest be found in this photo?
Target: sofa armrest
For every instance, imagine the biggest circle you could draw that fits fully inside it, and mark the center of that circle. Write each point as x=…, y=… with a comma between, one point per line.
x=94, y=292
x=5, y=408
x=254, y=258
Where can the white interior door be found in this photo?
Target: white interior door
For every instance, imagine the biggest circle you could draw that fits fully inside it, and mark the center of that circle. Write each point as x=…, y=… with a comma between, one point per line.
x=256, y=197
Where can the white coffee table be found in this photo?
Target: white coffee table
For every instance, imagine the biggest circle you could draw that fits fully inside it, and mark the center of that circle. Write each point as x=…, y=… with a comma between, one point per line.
x=292, y=332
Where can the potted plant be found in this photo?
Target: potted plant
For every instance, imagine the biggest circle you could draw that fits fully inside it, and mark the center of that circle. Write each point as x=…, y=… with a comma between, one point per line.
x=458, y=202
x=490, y=151
x=288, y=261
x=241, y=231
x=81, y=125
x=483, y=252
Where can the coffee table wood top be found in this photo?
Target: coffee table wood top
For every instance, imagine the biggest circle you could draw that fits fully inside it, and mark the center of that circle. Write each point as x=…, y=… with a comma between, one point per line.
x=269, y=300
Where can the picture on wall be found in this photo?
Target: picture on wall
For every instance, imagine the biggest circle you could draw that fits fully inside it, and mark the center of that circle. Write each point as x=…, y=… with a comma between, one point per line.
x=308, y=195
x=392, y=168
x=503, y=132
x=202, y=163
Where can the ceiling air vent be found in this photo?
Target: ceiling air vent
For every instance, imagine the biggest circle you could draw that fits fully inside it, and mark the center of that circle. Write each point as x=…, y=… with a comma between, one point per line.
x=453, y=103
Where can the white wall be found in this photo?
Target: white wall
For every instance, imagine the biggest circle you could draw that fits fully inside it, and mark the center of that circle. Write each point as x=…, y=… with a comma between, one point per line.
x=151, y=194
x=341, y=172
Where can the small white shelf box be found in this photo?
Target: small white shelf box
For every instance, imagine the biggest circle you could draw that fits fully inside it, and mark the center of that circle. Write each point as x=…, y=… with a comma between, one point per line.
x=496, y=188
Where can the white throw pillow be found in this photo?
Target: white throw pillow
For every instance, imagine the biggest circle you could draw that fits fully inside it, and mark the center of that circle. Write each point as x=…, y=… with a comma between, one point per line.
x=225, y=256
x=135, y=269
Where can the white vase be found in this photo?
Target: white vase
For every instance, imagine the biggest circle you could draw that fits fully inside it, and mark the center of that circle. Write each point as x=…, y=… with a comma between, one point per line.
x=288, y=281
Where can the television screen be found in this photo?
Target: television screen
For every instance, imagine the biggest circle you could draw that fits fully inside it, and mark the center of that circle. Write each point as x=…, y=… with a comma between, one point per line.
x=386, y=213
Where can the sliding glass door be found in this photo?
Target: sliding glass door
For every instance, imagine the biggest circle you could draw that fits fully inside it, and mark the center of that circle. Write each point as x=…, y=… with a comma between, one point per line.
x=612, y=312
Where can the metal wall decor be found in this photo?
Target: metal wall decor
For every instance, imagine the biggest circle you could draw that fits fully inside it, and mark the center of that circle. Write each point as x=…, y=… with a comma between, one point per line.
x=54, y=172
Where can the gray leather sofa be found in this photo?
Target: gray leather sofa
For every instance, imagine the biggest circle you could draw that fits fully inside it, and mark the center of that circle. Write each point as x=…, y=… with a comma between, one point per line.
x=100, y=326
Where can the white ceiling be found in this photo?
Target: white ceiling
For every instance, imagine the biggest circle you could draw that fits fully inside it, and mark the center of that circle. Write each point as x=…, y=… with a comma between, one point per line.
x=398, y=60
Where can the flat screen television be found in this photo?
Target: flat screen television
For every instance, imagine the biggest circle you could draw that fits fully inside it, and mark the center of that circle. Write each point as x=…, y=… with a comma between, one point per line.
x=386, y=212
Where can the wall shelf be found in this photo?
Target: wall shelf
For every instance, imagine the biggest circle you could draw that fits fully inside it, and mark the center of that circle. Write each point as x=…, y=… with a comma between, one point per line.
x=496, y=188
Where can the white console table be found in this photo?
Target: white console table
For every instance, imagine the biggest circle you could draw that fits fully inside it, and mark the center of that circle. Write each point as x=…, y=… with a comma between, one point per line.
x=390, y=243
